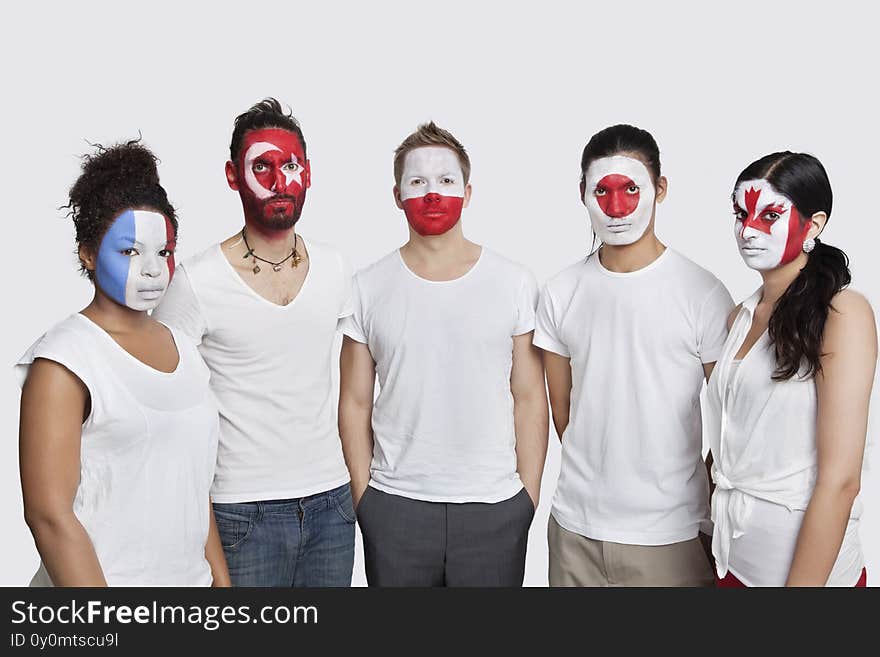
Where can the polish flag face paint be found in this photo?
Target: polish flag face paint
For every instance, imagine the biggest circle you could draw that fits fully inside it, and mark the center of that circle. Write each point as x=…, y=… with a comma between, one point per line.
x=136, y=259
x=619, y=196
x=769, y=230
x=432, y=189
x=274, y=177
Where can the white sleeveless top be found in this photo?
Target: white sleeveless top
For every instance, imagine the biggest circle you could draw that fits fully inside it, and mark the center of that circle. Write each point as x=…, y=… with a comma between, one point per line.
x=147, y=457
x=762, y=434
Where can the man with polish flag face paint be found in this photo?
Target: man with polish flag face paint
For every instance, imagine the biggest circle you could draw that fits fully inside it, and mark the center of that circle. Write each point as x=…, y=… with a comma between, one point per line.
x=264, y=306
x=446, y=466
x=629, y=334
x=769, y=230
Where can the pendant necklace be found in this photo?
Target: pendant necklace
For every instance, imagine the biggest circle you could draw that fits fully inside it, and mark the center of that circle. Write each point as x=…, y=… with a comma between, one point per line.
x=294, y=257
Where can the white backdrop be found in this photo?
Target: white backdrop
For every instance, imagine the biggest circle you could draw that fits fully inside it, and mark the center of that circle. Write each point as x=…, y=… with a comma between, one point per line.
x=522, y=85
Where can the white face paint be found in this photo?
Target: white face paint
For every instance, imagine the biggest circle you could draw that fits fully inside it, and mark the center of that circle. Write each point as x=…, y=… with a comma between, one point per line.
x=619, y=196
x=763, y=224
x=256, y=151
x=431, y=170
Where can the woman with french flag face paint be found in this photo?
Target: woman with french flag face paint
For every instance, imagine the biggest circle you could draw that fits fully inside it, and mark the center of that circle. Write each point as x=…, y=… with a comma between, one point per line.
x=125, y=458
x=135, y=261
x=432, y=190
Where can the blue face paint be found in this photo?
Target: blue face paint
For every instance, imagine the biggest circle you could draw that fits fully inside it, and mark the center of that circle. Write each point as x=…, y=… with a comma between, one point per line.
x=112, y=267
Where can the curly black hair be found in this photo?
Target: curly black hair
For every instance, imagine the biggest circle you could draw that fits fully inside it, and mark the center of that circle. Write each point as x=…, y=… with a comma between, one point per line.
x=113, y=179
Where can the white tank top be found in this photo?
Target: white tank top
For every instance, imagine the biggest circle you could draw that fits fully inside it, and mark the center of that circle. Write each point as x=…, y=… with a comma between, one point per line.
x=762, y=434
x=147, y=457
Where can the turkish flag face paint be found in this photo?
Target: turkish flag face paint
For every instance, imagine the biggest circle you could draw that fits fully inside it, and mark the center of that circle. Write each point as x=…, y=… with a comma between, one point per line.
x=135, y=261
x=432, y=189
x=769, y=230
x=619, y=196
x=273, y=175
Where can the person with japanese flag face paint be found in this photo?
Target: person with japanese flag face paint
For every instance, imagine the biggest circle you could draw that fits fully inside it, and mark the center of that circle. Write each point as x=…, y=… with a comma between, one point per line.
x=629, y=333
x=788, y=399
x=116, y=478
x=264, y=305
x=446, y=465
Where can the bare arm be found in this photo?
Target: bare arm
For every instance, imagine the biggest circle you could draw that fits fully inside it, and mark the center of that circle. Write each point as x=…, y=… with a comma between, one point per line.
x=849, y=347
x=357, y=379
x=49, y=458
x=530, y=414
x=558, y=370
x=214, y=553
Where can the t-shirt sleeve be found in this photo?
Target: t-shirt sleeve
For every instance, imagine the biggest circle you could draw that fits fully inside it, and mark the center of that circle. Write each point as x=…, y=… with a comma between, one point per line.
x=353, y=325
x=526, y=299
x=181, y=309
x=546, y=326
x=712, y=323
x=346, y=307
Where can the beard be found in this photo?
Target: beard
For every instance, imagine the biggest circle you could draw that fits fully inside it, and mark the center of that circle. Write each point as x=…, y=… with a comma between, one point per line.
x=270, y=215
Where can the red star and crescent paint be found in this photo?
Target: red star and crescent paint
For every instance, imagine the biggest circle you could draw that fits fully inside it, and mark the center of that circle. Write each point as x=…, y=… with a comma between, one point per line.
x=769, y=230
x=273, y=177
x=432, y=189
x=619, y=196
x=135, y=261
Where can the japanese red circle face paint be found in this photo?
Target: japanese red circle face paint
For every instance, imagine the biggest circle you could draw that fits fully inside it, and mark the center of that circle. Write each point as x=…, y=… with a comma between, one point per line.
x=273, y=178
x=619, y=196
x=135, y=261
x=769, y=230
x=432, y=189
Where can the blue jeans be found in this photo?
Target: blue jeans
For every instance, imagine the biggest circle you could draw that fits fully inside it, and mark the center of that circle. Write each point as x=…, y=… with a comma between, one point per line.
x=306, y=541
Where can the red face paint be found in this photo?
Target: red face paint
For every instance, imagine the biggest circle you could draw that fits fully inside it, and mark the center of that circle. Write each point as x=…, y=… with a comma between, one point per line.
x=432, y=214
x=171, y=245
x=617, y=195
x=273, y=176
x=797, y=233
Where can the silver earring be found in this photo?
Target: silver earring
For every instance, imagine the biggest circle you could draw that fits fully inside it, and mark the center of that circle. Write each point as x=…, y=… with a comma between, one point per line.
x=809, y=245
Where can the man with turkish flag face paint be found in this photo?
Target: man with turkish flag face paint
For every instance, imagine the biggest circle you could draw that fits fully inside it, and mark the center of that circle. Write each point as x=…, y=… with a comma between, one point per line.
x=445, y=470
x=629, y=333
x=263, y=306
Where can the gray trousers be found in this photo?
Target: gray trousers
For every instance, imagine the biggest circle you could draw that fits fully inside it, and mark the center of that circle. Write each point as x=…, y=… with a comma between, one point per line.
x=414, y=543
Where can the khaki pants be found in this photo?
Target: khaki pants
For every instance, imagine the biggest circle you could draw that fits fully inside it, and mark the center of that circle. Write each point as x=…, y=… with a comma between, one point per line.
x=576, y=560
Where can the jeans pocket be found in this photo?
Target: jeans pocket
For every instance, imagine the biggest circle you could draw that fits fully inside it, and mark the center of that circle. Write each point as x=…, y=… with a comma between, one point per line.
x=342, y=502
x=233, y=525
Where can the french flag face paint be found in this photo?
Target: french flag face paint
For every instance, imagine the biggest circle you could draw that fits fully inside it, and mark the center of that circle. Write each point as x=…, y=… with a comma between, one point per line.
x=769, y=230
x=619, y=196
x=273, y=178
x=135, y=261
x=432, y=189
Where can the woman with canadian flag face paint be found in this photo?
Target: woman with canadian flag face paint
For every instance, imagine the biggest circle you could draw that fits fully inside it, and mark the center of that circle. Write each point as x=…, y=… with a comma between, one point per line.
x=446, y=465
x=116, y=477
x=629, y=334
x=788, y=399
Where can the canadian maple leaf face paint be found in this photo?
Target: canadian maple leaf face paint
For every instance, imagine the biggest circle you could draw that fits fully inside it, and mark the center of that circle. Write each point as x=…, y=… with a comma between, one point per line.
x=432, y=189
x=135, y=261
x=273, y=178
x=619, y=196
x=769, y=230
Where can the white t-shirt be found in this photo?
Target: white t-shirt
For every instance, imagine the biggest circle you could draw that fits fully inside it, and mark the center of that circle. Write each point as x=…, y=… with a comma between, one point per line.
x=443, y=420
x=631, y=468
x=147, y=456
x=271, y=372
x=763, y=439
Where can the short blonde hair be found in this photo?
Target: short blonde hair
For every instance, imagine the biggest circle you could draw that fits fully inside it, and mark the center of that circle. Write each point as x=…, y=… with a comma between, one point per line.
x=430, y=134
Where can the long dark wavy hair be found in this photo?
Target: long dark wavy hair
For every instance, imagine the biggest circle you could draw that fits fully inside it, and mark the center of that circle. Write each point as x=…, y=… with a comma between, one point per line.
x=797, y=322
